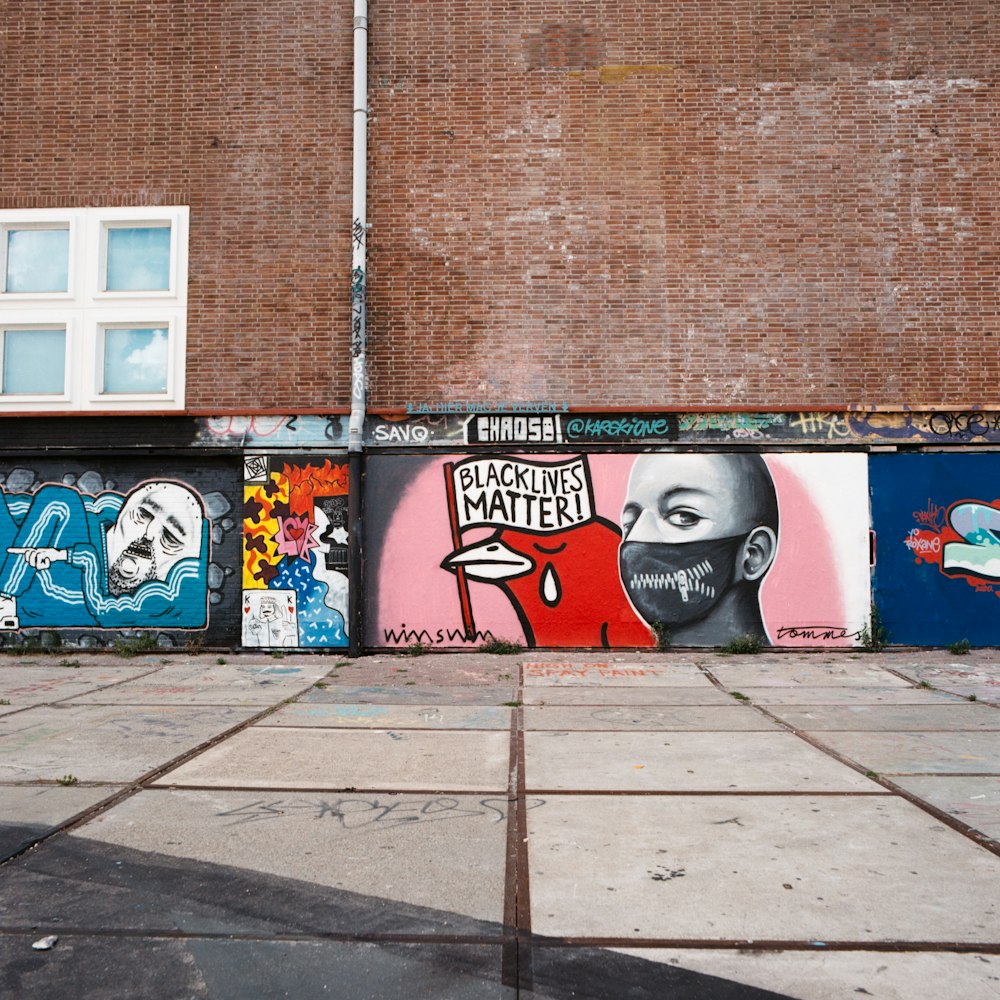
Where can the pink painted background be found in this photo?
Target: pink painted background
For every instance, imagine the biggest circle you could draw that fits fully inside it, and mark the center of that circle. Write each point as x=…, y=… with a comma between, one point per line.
x=820, y=576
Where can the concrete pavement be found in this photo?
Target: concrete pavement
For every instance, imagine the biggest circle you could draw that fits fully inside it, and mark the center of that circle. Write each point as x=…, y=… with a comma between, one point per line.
x=671, y=825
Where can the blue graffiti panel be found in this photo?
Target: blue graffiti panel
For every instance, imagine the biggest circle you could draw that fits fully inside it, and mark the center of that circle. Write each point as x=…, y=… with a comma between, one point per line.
x=937, y=525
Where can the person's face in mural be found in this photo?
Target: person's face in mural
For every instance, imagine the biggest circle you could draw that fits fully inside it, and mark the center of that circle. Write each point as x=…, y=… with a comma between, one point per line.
x=699, y=534
x=159, y=524
x=268, y=610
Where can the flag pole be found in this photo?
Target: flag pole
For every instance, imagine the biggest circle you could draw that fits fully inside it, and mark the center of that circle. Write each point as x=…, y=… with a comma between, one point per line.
x=456, y=541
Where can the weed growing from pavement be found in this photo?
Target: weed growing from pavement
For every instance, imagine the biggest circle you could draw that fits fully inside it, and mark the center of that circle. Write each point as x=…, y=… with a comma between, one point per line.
x=747, y=644
x=68, y=779
x=69, y=663
x=4, y=701
x=739, y=695
x=136, y=646
x=277, y=654
x=512, y=704
x=874, y=634
x=416, y=649
x=502, y=647
x=972, y=697
x=960, y=648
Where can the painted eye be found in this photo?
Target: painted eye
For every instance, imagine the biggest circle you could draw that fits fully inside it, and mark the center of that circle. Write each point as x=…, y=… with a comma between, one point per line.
x=629, y=516
x=170, y=542
x=684, y=518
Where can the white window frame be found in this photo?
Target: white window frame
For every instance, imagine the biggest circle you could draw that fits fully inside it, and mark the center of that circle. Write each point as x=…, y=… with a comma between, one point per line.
x=87, y=308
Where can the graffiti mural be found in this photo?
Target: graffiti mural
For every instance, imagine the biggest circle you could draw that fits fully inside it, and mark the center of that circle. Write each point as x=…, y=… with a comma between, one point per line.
x=550, y=552
x=937, y=523
x=295, y=590
x=82, y=550
x=700, y=535
x=603, y=550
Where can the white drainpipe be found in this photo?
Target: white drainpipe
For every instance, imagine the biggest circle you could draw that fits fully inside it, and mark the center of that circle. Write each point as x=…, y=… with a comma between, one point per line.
x=359, y=336
x=359, y=277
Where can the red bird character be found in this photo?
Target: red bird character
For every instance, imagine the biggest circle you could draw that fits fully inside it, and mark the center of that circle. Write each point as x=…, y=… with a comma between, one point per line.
x=564, y=585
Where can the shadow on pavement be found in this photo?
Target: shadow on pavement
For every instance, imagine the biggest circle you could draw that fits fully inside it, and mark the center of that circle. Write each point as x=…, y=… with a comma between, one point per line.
x=136, y=924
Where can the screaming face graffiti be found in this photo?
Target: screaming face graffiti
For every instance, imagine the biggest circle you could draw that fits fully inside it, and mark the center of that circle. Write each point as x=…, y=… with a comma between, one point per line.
x=108, y=560
x=159, y=524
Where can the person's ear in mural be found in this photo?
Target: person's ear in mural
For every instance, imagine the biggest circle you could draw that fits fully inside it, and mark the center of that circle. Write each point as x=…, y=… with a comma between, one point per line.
x=699, y=533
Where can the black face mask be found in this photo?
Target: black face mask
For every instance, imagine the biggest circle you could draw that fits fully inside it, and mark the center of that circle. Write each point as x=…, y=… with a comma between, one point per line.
x=681, y=582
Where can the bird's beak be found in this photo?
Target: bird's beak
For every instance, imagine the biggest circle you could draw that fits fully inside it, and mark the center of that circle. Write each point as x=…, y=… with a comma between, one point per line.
x=490, y=561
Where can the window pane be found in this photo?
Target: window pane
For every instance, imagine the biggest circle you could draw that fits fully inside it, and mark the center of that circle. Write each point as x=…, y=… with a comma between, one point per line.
x=34, y=361
x=135, y=360
x=37, y=260
x=138, y=259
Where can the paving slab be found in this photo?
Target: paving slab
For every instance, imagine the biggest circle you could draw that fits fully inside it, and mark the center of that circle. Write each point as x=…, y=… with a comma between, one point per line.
x=974, y=801
x=606, y=673
x=684, y=762
x=957, y=717
x=416, y=849
x=75, y=883
x=123, y=969
x=960, y=677
x=752, y=868
x=115, y=744
x=201, y=683
x=31, y=811
x=667, y=718
x=286, y=757
x=576, y=694
x=585, y=973
x=336, y=694
x=341, y=716
x=841, y=673
x=848, y=696
x=25, y=686
x=918, y=753
x=818, y=975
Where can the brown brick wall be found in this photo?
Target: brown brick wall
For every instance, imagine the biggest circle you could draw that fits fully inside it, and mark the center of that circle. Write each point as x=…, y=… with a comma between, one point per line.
x=240, y=110
x=698, y=204
x=653, y=204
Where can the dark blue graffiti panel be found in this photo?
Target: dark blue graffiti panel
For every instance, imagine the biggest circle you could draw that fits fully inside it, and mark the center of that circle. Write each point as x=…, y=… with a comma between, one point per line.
x=937, y=524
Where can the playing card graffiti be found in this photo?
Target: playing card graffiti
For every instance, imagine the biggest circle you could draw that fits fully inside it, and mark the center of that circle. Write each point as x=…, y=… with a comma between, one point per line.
x=295, y=586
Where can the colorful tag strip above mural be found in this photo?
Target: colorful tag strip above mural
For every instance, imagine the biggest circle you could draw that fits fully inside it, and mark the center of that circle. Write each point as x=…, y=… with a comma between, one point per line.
x=833, y=428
